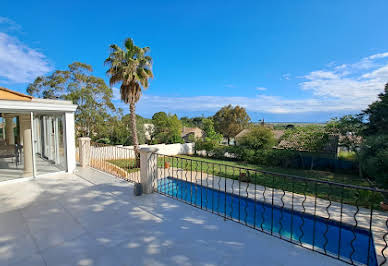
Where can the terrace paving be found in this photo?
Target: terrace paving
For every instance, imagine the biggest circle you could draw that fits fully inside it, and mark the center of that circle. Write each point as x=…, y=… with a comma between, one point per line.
x=93, y=218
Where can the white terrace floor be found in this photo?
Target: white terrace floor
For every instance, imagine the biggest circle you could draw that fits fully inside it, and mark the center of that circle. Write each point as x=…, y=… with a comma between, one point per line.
x=94, y=219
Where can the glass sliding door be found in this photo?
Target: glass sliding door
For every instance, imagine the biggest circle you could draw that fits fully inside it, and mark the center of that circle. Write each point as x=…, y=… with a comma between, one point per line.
x=49, y=143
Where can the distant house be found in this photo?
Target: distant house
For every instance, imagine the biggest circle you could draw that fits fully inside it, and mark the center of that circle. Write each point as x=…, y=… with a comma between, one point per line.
x=242, y=133
x=278, y=133
x=195, y=132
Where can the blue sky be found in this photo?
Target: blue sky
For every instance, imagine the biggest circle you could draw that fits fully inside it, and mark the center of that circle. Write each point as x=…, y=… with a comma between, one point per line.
x=282, y=60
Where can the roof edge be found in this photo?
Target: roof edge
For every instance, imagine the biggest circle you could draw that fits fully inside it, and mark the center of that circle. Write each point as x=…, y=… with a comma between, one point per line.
x=16, y=93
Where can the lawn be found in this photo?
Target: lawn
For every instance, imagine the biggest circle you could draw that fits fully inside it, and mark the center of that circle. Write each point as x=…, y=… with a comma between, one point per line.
x=269, y=177
x=127, y=164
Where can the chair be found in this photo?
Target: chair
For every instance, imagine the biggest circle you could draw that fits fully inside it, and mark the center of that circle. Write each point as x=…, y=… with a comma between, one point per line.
x=10, y=151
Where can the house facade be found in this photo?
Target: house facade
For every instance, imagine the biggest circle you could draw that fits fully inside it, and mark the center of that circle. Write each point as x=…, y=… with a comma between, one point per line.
x=36, y=136
x=195, y=132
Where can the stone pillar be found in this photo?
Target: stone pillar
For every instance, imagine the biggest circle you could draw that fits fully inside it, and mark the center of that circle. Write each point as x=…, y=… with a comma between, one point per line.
x=148, y=168
x=24, y=123
x=84, y=151
x=25, y=139
x=27, y=150
x=9, y=133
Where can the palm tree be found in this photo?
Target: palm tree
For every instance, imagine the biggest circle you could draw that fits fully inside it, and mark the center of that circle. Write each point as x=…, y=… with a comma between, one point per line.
x=133, y=68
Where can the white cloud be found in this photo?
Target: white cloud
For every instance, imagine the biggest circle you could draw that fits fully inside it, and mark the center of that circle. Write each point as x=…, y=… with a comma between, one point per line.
x=260, y=103
x=320, y=74
x=261, y=88
x=377, y=56
x=20, y=63
x=344, y=88
x=358, y=83
x=9, y=24
x=286, y=76
x=380, y=74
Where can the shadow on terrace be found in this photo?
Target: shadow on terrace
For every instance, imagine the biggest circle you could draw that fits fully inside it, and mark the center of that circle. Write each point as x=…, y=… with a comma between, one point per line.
x=94, y=219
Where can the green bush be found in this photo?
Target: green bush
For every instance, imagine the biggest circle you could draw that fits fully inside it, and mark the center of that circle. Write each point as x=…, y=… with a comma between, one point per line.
x=219, y=151
x=258, y=137
x=374, y=159
x=273, y=157
x=212, y=148
x=347, y=156
x=241, y=153
x=103, y=140
x=268, y=157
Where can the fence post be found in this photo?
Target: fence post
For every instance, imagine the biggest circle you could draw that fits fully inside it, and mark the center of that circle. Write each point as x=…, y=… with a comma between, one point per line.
x=148, y=168
x=84, y=151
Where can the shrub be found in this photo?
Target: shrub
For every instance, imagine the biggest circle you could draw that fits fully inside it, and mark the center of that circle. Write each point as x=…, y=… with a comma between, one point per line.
x=103, y=140
x=219, y=152
x=208, y=146
x=241, y=153
x=258, y=137
x=374, y=159
x=269, y=157
x=347, y=156
x=273, y=157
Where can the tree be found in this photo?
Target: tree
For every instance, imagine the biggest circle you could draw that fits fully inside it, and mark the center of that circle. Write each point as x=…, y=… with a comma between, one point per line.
x=187, y=122
x=131, y=67
x=349, y=128
x=230, y=121
x=116, y=129
x=78, y=85
x=167, y=128
x=258, y=137
x=377, y=115
x=211, y=141
x=312, y=139
x=374, y=151
x=374, y=159
x=210, y=133
x=198, y=120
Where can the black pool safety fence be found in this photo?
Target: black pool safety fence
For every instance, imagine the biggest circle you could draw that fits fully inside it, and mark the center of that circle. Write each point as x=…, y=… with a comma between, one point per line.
x=338, y=220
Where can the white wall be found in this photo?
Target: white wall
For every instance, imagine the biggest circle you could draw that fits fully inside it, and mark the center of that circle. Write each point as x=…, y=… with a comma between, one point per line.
x=123, y=152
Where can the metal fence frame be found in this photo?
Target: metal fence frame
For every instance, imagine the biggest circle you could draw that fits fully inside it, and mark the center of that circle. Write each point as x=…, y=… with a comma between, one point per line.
x=295, y=180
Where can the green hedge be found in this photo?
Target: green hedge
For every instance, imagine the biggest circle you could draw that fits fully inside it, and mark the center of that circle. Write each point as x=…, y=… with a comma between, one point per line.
x=269, y=157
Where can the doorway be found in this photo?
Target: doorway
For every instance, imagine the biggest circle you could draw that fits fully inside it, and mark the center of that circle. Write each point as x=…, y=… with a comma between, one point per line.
x=49, y=143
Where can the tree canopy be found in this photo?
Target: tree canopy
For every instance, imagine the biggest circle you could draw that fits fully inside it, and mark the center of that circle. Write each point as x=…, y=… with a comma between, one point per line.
x=210, y=133
x=229, y=120
x=308, y=138
x=167, y=128
x=377, y=115
x=349, y=128
x=258, y=137
x=78, y=85
x=374, y=151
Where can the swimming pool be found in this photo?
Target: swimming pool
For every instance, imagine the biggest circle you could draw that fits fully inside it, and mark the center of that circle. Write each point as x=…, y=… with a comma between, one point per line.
x=324, y=235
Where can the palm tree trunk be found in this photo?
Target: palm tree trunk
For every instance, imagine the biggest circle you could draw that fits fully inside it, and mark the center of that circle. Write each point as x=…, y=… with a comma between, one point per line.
x=135, y=141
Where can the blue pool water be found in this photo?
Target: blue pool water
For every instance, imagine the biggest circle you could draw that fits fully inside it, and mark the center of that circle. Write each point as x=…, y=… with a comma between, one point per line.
x=323, y=234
